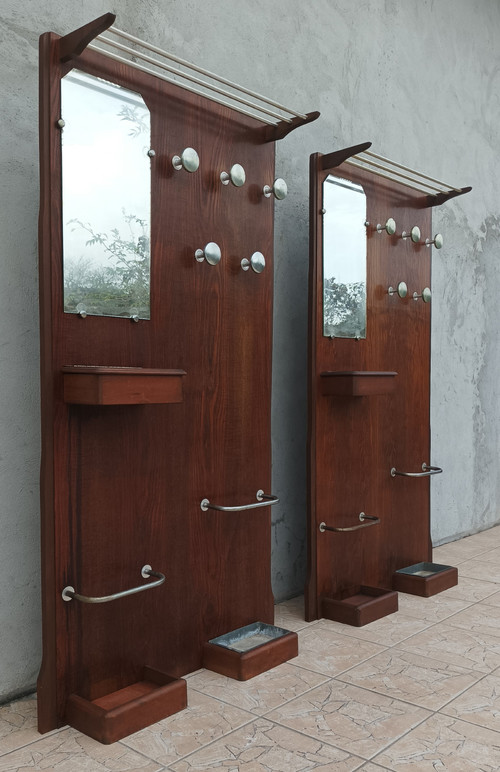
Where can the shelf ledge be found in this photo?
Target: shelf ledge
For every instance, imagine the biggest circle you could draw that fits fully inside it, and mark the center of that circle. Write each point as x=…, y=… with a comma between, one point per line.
x=97, y=385
x=356, y=383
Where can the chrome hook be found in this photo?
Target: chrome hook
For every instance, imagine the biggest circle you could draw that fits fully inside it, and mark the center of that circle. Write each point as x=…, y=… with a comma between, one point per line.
x=188, y=160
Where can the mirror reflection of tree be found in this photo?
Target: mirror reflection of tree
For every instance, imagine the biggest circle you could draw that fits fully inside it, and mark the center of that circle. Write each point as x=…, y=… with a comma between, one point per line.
x=123, y=284
x=343, y=309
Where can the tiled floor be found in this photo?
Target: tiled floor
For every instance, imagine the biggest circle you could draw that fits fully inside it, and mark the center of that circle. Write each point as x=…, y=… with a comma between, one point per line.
x=419, y=688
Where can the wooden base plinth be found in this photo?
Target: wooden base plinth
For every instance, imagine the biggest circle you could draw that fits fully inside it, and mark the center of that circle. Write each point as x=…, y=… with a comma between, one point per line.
x=425, y=579
x=360, y=605
x=116, y=715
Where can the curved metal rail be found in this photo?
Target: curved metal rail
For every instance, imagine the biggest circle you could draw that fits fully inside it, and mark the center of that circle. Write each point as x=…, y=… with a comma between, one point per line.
x=263, y=500
x=371, y=518
x=69, y=592
x=427, y=471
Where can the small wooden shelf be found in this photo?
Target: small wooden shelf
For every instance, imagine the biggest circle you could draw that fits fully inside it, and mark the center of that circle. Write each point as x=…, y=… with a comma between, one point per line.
x=356, y=383
x=116, y=715
x=250, y=650
x=360, y=605
x=88, y=385
x=425, y=579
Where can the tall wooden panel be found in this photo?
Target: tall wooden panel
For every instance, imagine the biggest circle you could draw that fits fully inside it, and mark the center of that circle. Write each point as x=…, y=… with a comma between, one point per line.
x=369, y=407
x=143, y=420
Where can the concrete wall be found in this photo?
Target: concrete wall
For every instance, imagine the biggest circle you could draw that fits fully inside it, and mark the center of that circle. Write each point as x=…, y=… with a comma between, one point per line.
x=421, y=80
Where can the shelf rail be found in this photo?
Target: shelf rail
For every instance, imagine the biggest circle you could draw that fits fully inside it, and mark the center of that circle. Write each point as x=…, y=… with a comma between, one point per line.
x=371, y=520
x=213, y=86
x=427, y=471
x=69, y=592
x=263, y=500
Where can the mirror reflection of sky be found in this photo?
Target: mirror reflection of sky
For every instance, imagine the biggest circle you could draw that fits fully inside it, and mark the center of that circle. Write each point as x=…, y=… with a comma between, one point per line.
x=344, y=231
x=105, y=168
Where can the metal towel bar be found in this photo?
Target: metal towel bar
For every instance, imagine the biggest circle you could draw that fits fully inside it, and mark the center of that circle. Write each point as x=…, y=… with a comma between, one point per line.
x=69, y=592
x=263, y=500
x=371, y=518
x=427, y=471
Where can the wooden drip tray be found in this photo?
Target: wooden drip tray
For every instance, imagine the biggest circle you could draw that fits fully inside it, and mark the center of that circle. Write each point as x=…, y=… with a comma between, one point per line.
x=250, y=650
x=116, y=715
x=360, y=605
x=357, y=383
x=88, y=385
x=425, y=579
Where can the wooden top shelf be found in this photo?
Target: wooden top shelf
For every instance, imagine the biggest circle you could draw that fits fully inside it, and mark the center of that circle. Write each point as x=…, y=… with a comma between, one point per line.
x=356, y=383
x=99, y=385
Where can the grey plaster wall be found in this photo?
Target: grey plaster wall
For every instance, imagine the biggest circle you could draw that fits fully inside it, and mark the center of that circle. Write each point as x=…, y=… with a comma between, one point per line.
x=421, y=80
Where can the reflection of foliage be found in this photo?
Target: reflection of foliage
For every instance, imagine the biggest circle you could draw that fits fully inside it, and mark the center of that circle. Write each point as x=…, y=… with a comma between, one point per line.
x=344, y=309
x=131, y=114
x=116, y=288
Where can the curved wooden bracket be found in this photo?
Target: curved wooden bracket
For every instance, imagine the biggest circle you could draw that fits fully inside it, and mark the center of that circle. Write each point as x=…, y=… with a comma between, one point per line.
x=273, y=133
x=440, y=198
x=74, y=43
x=331, y=160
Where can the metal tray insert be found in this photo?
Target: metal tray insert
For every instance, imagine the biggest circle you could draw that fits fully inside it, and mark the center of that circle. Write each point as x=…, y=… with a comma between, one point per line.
x=249, y=637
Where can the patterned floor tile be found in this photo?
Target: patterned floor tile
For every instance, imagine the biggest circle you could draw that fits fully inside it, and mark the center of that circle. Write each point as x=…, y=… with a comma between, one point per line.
x=261, y=694
x=264, y=747
x=290, y=614
x=350, y=718
x=18, y=724
x=480, y=618
x=70, y=751
x=464, y=648
x=328, y=653
x=469, y=589
x=479, y=569
x=387, y=631
x=432, y=609
x=406, y=676
x=479, y=705
x=202, y=722
x=443, y=744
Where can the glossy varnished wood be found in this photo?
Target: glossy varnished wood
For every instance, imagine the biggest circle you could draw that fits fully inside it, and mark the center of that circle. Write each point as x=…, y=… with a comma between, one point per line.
x=122, y=484
x=354, y=443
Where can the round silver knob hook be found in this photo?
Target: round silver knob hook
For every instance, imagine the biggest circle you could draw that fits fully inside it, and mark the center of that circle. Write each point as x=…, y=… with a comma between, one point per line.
x=279, y=188
x=438, y=241
x=211, y=253
x=414, y=234
x=425, y=295
x=188, y=160
x=257, y=262
x=401, y=290
x=236, y=176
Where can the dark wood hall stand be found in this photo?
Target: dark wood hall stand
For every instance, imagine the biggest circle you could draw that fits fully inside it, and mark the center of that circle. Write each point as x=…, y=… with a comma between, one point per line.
x=369, y=434
x=156, y=453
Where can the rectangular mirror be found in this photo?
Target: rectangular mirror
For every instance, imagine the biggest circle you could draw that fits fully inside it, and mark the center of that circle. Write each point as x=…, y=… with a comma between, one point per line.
x=106, y=192
x=344, y=259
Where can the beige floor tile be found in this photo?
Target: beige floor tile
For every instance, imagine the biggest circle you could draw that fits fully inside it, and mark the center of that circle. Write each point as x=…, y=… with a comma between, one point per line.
x=387, y=631
x=350, y=718
x=70, y=751
x=480, y=618
x=464, y=648
x=202, y=722
x=454, y=553
x=407, y=676
x=290, y=614
x=479, y=705
x=371, y=767
x=261, y=694
x=18, y=724
x=472, y=590
x=329, y=653
x=490, y=556
x=443, y=744
x=492, y=600
x=264, y=747
x=432, y=609
x=479, y=569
